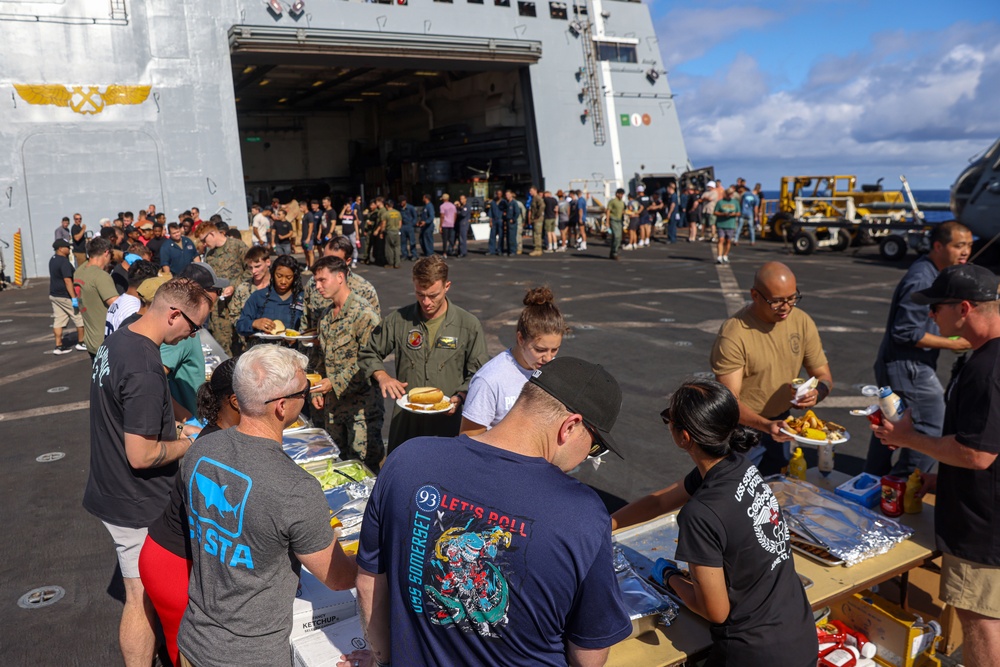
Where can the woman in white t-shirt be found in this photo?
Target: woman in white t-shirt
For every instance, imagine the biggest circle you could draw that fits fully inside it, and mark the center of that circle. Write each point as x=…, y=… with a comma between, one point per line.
x=495, y=387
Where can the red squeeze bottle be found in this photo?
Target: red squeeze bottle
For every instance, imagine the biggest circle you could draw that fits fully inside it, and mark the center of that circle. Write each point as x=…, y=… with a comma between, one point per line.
x=856, y=639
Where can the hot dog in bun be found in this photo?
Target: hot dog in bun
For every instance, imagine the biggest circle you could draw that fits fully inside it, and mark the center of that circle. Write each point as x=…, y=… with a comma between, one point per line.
x=425, y=395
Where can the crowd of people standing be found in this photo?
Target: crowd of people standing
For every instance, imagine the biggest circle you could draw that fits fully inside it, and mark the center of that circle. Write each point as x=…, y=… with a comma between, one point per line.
x=516, y=425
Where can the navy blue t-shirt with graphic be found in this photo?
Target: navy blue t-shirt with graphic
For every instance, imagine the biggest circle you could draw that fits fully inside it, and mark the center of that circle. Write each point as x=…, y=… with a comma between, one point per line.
x=491, y=557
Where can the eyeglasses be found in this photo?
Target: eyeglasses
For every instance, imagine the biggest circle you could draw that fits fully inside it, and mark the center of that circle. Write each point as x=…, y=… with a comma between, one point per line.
x=775, y=304
x=194, y=327
x=304, y=395
x=597, y=447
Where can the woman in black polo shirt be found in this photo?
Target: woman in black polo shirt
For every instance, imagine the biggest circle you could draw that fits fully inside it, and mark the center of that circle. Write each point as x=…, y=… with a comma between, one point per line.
x=732, y=535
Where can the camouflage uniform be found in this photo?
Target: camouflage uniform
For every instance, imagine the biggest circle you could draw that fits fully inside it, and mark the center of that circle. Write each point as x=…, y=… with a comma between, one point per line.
x=236, y=302
x=355, y=409
x=315, y=304
x=227, y=262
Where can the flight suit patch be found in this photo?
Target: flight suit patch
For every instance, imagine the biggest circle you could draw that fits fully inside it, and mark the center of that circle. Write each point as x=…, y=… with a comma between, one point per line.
x=414, y=339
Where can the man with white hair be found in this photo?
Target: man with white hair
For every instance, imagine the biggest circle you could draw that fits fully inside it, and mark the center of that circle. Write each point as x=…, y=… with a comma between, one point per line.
x=256, y=517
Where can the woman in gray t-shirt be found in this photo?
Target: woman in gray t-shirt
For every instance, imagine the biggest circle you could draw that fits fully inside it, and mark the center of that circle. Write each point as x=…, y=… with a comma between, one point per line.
x=495, y=387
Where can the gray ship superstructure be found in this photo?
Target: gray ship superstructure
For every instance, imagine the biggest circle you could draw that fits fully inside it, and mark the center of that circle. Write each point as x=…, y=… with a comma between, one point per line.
x=115, y=104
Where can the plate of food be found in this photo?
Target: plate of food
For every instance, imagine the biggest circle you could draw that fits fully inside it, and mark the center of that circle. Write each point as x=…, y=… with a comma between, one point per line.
x=279, y=332
x=425, y=401
x=811, y=430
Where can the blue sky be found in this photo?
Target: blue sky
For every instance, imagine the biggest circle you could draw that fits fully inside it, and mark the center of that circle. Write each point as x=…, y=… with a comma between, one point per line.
x=875, y=88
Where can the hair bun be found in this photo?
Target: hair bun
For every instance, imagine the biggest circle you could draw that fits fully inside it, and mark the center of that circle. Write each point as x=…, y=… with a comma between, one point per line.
x=743, y=439
x=539, y=296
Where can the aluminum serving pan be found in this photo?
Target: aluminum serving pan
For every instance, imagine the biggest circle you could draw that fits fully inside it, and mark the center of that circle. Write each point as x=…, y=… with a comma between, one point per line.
x=644, y=543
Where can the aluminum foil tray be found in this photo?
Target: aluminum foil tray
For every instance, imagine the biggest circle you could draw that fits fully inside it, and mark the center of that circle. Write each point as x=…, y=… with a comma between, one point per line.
x=645, y=604
x=644, y=543
x=309, y=444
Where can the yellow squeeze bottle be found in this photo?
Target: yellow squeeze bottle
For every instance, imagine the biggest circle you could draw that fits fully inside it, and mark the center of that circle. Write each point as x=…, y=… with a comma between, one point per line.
x=797, y=466
x=912, y=504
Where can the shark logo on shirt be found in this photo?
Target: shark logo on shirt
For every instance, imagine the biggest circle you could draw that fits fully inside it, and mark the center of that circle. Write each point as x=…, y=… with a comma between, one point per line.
x=217, y=496
x=214, y=495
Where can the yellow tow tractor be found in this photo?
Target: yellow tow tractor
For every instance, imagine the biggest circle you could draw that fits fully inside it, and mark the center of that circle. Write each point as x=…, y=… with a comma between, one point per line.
x=829, y=212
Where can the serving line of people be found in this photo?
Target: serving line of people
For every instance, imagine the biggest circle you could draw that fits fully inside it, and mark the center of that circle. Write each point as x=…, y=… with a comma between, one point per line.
x=444, y=568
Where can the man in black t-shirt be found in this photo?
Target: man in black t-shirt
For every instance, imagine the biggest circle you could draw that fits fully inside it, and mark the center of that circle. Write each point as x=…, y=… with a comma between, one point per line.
x=964, y=302
x=79, y=233
x=62, y=296
x=281, y=234
x=135, y=443
x=156, y=242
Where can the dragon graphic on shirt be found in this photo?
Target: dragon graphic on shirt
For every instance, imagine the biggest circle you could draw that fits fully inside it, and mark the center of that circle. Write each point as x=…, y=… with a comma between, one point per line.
x=469, y=589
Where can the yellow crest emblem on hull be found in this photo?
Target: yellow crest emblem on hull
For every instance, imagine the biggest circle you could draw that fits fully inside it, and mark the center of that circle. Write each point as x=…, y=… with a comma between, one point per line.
x=85, y=100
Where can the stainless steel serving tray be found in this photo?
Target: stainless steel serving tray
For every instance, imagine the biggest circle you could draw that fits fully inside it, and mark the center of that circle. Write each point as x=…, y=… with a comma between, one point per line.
x=644, y=543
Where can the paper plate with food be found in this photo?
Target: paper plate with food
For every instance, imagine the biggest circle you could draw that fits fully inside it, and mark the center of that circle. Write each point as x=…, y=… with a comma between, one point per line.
x=811, y=430
x=280, y=332
x=425, y=401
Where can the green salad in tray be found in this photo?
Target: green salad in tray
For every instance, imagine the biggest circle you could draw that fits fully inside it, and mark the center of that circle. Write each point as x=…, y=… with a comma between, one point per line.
x=344, y=472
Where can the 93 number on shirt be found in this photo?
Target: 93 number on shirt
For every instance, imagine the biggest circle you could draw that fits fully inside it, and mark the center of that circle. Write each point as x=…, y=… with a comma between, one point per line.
x=428, y=498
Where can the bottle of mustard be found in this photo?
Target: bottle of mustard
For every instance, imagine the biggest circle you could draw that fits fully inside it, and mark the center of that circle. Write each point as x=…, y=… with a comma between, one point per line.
x=797, y=465
x=911, y=503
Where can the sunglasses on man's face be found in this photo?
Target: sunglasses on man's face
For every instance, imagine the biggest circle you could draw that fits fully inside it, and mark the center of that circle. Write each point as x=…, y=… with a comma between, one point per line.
x=304, y=395
x=597, y=447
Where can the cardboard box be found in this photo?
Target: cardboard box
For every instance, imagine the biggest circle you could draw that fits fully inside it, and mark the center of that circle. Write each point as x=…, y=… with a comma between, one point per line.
x=888, y=625
x=316, y=606
x=324, y=647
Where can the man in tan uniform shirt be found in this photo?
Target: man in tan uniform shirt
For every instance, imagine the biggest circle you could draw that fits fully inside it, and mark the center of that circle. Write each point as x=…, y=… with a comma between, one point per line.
x=757, y=354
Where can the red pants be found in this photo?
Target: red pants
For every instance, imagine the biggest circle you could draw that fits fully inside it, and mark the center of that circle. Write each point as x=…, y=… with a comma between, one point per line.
x=165, y=578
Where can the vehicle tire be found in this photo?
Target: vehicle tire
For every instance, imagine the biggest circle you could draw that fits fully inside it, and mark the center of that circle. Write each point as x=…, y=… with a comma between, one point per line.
x=804, y=243
x=843, y=240
x=865, y=237
x=778, y=224
x=892, y=248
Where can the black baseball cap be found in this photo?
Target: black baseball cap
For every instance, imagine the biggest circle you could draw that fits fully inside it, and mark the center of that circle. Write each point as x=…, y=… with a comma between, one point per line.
x=61, y=243
x=962, y=282
x=203, y=274
x=586, y=389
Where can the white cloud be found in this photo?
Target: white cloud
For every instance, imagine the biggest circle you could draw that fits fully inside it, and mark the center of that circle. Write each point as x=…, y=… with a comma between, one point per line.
x=919, y=104
x=687, y=33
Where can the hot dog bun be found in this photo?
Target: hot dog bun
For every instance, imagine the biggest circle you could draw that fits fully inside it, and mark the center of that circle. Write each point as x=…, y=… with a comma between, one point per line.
x=279, y=327
x=425, y=395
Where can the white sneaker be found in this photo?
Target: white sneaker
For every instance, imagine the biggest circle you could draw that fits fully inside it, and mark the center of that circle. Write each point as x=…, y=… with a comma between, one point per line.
x=81, y=347
x=725, y=258
x=61, y=350
x=561, y=248
x=583, y=246
x=720, y=260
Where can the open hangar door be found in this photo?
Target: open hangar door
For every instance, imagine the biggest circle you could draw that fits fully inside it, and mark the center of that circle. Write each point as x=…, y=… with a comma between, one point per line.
x=347, y=112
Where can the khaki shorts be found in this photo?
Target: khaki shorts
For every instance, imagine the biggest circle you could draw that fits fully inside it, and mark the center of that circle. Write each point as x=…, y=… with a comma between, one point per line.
x=970, y=586
x=550, y=224
x=62, y=312
x=128, y=544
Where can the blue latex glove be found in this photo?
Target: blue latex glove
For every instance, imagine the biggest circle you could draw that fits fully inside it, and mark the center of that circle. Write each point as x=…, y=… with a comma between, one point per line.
x=664, y=568
x=76, y=302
